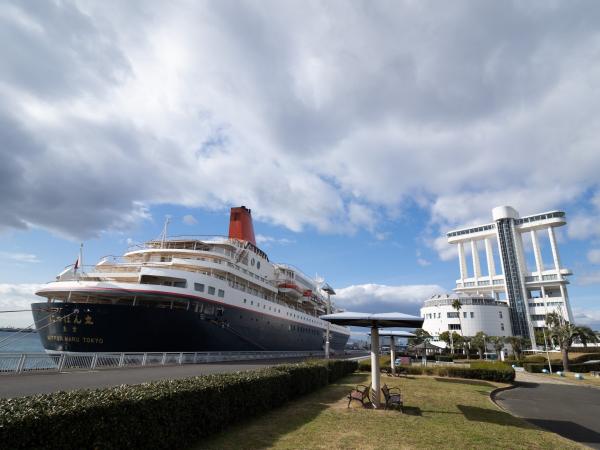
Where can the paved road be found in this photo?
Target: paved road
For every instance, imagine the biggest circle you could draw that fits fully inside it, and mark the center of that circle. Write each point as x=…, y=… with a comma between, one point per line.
x=21, y=385
x=571, y=411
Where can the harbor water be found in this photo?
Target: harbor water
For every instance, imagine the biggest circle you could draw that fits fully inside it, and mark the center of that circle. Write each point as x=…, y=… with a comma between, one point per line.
x=14, y=342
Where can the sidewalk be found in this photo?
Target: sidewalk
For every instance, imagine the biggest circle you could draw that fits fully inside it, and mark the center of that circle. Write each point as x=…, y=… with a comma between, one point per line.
x=526, y=377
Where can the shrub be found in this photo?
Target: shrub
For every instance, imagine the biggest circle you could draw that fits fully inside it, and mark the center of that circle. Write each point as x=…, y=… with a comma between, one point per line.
x=538, y=367
x=535, y=359
x=444, y=358
x=583, y=358
x=163, y=414
x=490, y=371
x=304, y=378
x=365, y=364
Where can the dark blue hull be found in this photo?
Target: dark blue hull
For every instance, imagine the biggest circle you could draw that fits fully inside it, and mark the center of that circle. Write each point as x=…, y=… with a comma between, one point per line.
x=88, y=327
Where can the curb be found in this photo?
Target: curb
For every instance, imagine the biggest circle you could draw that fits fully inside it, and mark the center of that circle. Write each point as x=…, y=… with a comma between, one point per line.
x=499, y=390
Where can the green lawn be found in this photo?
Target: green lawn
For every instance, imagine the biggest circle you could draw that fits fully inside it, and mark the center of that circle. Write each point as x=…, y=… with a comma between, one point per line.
x=439, y=413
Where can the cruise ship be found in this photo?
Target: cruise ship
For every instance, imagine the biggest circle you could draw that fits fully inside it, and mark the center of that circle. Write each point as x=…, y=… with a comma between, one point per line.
x=183, y=294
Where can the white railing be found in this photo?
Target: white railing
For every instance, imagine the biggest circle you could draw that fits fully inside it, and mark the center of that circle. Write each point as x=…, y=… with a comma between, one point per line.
x=21, y=363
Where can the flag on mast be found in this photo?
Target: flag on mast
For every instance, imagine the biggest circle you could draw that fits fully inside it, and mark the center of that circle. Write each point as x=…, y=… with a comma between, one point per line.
x=79, y=261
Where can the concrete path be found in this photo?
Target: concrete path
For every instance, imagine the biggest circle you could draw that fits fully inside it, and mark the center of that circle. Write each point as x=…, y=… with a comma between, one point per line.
x=22, y=385
x=563, y=408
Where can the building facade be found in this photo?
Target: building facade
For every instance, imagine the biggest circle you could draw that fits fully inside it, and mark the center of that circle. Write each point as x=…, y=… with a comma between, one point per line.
x=477, y=313
x=530, y=287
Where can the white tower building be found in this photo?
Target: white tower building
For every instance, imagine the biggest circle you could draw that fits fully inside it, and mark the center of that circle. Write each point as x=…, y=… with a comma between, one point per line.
x=531, y=292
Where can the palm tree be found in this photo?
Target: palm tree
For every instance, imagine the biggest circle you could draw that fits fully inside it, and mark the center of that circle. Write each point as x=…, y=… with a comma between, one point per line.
x=458, y=306
x=466, y=341
x=498, y=343
x=478, y=341
x=564, y=332
x=517, y=343
x=587, y=336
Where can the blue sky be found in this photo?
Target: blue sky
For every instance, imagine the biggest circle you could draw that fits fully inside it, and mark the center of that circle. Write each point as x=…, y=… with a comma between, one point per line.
x=359, y=133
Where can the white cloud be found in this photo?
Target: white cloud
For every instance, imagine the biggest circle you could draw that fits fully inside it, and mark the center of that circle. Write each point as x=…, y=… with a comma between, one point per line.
x=589, y=317
x=188, y=219
x=589, y=278
x=422, y=261
x=19, y=257
x=315, y=115
x=261, y=239
x=17, y=297
x=593, y=256
x=383, y=298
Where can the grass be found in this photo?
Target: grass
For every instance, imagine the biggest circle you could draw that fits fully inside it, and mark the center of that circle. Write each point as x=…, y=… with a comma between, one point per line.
x=439, y=413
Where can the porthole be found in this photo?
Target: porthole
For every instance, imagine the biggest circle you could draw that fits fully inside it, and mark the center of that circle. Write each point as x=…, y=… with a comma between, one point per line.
x=258, y=264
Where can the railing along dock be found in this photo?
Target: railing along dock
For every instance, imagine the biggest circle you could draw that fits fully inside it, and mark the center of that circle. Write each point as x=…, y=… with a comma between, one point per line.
x=22, y=363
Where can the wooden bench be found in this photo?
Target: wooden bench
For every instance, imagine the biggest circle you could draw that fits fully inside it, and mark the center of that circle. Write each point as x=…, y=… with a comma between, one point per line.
x=392, y=396
x=360, y=394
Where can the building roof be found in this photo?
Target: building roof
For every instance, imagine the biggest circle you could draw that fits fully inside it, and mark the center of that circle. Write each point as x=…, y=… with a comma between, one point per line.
x=396, y=333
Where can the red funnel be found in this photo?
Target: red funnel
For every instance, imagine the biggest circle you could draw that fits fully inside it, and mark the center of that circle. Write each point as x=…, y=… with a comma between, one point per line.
x=240, y=225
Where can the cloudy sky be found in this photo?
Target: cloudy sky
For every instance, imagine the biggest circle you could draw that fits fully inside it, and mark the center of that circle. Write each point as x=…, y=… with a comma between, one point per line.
x=359, y=132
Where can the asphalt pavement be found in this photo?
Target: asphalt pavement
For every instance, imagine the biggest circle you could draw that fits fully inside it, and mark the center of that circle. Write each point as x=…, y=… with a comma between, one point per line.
x=569, y=410
x=29, y=384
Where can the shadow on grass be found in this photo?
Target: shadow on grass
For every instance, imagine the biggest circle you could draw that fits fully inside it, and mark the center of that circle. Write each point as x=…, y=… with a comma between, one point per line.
x=464, y=381
x=412, y=411
x=265, y=430
x=476, y=414
x=570, y=430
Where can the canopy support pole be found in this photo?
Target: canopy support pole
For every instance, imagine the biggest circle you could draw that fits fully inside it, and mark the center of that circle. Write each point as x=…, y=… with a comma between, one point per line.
x=375, y=381
x=393, y=354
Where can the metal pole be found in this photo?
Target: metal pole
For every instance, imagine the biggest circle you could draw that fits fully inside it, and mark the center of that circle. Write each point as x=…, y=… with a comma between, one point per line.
x=375, y=382
x=547, y=353
x=393, y=354
x=328, y=327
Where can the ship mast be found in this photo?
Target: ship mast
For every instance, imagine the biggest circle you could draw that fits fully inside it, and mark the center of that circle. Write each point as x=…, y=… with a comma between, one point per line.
x=163, y=235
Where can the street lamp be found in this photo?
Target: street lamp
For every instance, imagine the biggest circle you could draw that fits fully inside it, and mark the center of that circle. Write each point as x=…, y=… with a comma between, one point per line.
x=329, y=290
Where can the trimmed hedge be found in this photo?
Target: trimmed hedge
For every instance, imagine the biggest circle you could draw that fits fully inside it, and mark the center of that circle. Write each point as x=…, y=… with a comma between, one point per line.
x=444, y=358
x=500, y=372
x=535, y=367
x=365, y=364
x=581, y=368
x=163, y=414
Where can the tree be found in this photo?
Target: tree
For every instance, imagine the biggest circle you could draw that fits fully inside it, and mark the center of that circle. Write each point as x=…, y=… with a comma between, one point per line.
x=466, y=341
x=478, y=341
x=587, y=336
x=458, y=340
x=498, y=343
x=564, y=333
x=445, y=337
x=539, y=338
x=421, y=337
x=458, y=306
x=517, y=343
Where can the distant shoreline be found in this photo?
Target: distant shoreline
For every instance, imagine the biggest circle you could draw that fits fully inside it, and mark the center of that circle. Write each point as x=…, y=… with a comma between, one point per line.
x=23, y=330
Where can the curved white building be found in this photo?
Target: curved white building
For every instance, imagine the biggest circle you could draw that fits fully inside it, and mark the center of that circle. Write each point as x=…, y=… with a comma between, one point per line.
x=477, y=313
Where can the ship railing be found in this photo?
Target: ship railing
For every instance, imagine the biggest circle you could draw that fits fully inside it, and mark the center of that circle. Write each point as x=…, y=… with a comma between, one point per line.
x=23, y=363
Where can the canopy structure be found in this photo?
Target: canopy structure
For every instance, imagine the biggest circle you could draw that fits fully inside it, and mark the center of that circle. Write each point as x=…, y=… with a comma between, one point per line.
x=375, y=322
x=393, y=334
